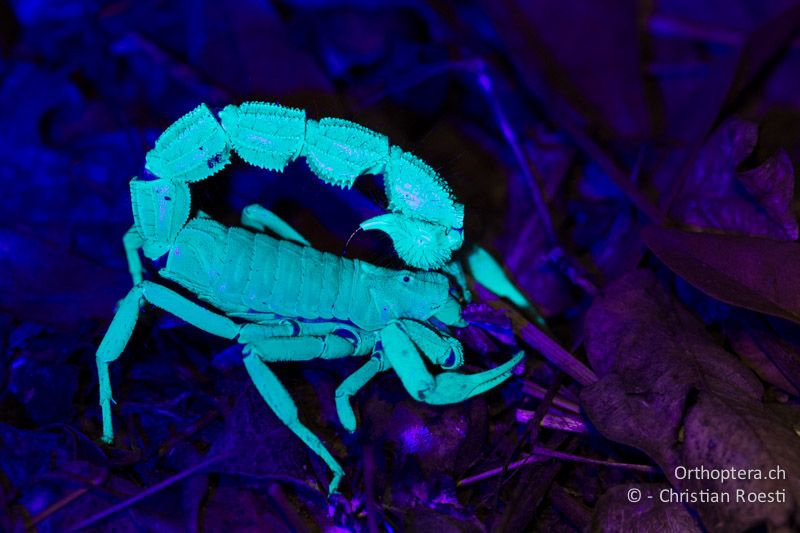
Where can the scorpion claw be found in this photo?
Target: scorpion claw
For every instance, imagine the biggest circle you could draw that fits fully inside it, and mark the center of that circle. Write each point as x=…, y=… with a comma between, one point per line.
x=454, y=387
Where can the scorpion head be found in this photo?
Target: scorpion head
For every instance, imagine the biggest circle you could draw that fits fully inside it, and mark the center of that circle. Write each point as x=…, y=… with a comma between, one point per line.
x=417, y=295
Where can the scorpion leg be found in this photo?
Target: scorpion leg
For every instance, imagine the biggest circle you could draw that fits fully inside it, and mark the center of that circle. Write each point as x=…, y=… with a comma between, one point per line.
x=303, y=348
x=114, y=342
x=281, y=403
x=185, y=309
x=350, y=386
x=121, y=328
x=444, y=388
x=260, y=218
x=133, y=242
x=488, y=272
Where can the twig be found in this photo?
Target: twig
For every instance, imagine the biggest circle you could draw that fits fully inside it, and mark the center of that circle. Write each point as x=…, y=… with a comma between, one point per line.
x=567, y=266
x=188, y=431
x=559, y=422
x=121, y=506
x=537, y=391
x=575, y=511
x=562, y=359
x=542, y=454
x=57, y=506
x=369, y=486
x=687, y=29
x=531, y=433
x=530, y=173
x=593, y=150
x=415, y=78
x=550, y=349
x=66, y=500
x=564, y=423
x=555, y=454
x=286, y=509
x=533, y=179
x=180, y=70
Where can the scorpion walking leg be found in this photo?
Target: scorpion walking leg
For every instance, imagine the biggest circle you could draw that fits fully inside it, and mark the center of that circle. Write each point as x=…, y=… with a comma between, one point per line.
x=488, y=272
x=114, y=342
x=349, y=387
x=121, y=328
x=304, y=348
x=185, y=309
x=260, y=218
x=281, y=403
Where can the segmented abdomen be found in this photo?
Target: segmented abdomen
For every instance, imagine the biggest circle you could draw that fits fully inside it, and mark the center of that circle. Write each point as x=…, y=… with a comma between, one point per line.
x=237, y=270
x=299, y=281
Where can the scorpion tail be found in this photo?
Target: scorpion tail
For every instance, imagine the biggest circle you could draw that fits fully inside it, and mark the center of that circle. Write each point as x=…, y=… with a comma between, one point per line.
x=426, y=224
x=419, y=243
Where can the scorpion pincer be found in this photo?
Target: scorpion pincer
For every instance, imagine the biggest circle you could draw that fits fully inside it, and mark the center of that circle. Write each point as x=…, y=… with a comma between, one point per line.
x=281, y=298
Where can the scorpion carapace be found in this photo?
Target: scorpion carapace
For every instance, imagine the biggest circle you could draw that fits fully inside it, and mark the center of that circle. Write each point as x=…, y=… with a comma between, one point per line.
x=281, y=298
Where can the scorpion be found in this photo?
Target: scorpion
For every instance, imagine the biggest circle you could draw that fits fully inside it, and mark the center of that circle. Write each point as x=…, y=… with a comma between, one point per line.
x=277, y=295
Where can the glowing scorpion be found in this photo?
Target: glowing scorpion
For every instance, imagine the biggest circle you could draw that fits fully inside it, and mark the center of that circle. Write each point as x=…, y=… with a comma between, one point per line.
x=281, y=298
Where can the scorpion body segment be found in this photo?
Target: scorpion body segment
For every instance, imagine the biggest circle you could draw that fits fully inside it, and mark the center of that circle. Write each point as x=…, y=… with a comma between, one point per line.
x=268, y=136
x=339, y=151
x=239, y=271
x=282, y=299
x=194, y=148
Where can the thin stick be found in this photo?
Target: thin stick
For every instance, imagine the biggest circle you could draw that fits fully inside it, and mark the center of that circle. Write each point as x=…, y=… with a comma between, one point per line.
x=535, y=338
x=534, y=180
x=533, y=177
x=188, y=431
x=414, y=79
x=121, y=506
x=369, y=482
x=560, y=113
x=550, y=349
x=537, y=391
x=531, y=433
x=57, y=506
x=559, y=422
x=285, y=507
x=687, y=29
x=555, y=454
x=572, y=508
x=567, y=423
x=542, y=454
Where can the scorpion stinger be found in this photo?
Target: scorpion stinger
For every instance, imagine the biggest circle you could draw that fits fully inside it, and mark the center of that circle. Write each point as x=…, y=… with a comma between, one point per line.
x=350, y=238
x=279, y=297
